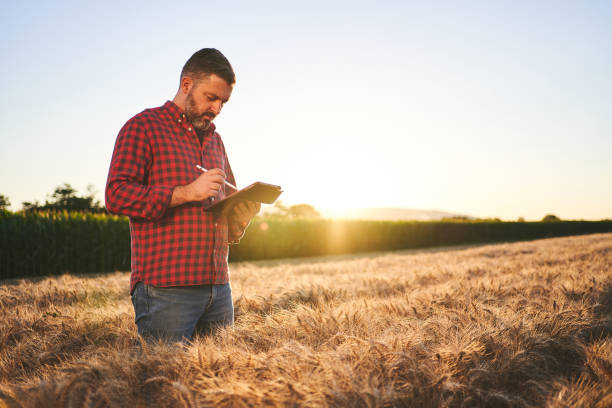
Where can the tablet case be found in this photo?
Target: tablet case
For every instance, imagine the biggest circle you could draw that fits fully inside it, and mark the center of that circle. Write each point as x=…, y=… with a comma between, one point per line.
x=258, y=191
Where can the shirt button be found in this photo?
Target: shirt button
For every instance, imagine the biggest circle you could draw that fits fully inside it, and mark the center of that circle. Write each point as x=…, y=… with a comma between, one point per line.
x=189, y=129
x=180, y=120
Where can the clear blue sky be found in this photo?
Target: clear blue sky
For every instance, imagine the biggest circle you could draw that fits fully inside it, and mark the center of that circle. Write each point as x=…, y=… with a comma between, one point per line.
x=492, y=109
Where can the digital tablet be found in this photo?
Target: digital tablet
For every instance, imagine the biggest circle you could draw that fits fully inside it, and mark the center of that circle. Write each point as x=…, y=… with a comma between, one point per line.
x=258, y=191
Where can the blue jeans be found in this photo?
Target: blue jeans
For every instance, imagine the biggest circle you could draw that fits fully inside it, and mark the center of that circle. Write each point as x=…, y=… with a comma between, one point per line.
x=178, y=313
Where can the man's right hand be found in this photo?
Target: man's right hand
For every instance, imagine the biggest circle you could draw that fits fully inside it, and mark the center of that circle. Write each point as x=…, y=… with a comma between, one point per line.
x=206, y=185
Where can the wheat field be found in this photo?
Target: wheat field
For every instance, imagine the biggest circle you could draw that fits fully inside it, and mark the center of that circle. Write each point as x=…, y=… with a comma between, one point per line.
x=505, y=325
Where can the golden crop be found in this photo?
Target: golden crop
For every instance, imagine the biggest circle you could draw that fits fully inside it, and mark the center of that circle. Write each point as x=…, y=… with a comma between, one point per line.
x=506, y=325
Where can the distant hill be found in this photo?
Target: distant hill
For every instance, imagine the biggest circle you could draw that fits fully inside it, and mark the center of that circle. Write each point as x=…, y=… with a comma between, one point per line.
x=391, y=214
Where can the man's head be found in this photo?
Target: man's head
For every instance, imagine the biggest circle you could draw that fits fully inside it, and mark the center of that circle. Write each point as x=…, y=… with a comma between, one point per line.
x=209, y=61
x=206, y=84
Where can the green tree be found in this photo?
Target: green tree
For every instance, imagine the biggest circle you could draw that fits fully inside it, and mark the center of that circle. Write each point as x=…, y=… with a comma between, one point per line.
x=65, y=198
x=27, y=206
x=281, y=209
x=295, y=211
x=550, y=218
x=303, y=211
x=5, y=203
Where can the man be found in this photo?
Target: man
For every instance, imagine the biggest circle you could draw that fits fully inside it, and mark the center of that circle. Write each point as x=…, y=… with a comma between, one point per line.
x=180, y=280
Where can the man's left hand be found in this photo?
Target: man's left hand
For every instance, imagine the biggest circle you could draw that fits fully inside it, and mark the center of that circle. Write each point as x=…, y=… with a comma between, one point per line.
x=243, y=212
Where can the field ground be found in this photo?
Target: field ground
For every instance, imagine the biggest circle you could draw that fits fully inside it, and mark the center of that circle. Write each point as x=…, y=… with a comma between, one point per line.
x=519, y=324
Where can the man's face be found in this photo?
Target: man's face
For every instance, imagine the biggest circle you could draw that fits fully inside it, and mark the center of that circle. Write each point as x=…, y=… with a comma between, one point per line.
x=205, y=100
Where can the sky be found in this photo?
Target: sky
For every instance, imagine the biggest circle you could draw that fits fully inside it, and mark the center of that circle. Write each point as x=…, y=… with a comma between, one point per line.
x=484, y=108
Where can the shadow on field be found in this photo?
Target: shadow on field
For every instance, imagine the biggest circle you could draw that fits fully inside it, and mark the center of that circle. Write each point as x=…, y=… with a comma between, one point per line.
x=601, y=327
x=48, y=342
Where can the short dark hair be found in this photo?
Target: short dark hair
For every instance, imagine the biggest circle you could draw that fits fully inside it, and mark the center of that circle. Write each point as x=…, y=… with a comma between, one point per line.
x=209, y=61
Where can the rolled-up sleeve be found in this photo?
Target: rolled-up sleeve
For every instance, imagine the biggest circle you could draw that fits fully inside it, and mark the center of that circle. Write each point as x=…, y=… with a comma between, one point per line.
x=127, y=191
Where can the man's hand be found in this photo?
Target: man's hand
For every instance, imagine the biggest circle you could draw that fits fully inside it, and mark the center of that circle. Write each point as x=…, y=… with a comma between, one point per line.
x=206, y=185
x=241, y=215
x=244, y=211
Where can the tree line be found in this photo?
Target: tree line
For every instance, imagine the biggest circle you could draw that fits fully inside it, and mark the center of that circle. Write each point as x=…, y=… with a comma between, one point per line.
x=65, y=198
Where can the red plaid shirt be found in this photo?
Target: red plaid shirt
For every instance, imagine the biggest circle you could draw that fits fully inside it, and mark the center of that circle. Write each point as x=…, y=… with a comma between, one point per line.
x=155, y=151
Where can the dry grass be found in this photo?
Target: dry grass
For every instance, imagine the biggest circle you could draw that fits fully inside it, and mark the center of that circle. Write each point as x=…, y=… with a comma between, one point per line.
x=521, y=324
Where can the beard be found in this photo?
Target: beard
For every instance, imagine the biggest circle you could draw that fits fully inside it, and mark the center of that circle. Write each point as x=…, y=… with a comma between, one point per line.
x=200, y=121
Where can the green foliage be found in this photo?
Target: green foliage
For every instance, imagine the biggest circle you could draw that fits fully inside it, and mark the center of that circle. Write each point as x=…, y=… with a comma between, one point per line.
x=277, y=237
x=551, y=218
x=49, y=243
x=4, y=203
x=64, y=198
x=295, y=211
x=303, y=211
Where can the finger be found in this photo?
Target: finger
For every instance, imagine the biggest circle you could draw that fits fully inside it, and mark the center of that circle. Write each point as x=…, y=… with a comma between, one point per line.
x=207, y=179
x=215, y=185
x=217, y=172
x=254, y=206
x=248, y=212
x=240, y=212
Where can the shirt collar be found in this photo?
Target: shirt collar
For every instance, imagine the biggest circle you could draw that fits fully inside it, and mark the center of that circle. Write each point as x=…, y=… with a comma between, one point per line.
x=178, y=116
